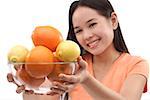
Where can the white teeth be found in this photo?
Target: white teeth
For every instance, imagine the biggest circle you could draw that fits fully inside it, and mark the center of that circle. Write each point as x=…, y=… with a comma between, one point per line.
x=93, y=44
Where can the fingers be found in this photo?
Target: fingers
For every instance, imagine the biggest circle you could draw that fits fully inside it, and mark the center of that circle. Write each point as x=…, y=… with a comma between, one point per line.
x=60, y=88
x=29, y=92
x=79, y=75
x=57, y=90
x=18, y=66
x=52, y=93
x=20, y=89
x=77, y=67
x=83, y=64
x=69, y=78
x=10, y=77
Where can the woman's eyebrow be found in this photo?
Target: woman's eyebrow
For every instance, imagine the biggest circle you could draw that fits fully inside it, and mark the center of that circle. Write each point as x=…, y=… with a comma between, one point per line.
x=90, y=20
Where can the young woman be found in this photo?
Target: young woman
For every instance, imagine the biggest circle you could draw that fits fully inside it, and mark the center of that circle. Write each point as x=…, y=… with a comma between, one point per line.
x=106, y=69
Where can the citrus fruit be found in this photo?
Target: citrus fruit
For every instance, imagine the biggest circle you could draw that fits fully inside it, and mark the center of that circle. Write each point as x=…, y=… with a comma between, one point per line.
x=40, y=57
x=26, y=79
x=17, y=53
x=68, y=50
x=64, y=68
x=47, y=36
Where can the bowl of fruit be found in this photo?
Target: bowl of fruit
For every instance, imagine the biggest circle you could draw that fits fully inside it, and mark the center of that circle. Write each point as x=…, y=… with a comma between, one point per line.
x=37, y=68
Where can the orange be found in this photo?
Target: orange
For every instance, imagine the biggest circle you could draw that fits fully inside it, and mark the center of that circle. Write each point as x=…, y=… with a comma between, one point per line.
x=58, y=69
x=47, y=36
x=40, y=57
x=26, y=79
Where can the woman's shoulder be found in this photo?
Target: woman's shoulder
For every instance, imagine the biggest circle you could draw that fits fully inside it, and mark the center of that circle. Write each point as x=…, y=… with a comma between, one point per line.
x=136, y=63
x=130, y=62
x=131, y=59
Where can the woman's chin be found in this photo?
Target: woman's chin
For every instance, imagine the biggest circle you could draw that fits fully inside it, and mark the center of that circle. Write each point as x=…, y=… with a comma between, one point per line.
x=97, y=51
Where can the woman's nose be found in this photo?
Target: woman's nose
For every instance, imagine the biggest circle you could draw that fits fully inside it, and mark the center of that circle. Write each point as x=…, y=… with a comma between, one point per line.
x=87, y=35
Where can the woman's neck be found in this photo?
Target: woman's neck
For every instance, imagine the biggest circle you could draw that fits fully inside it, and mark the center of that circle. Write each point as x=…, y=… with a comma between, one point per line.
x=107, y=57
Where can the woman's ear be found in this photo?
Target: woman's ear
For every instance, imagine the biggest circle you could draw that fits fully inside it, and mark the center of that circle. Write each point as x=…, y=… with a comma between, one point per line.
x=114, y=20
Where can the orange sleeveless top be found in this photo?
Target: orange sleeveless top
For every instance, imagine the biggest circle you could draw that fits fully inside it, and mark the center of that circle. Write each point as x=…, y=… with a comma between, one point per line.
x=120, y=69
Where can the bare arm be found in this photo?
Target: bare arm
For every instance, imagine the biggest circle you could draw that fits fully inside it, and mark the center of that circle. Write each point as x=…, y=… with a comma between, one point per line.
x=133, y=87
x=128, y=91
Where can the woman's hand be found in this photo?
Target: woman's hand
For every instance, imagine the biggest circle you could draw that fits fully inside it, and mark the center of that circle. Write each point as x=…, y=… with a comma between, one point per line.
x=71, y=80
x=20, y=88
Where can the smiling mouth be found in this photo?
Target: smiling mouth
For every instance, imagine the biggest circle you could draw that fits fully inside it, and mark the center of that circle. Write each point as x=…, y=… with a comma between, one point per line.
x=93, y=44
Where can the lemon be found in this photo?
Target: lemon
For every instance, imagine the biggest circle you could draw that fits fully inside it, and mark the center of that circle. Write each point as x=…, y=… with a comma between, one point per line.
x=17, y=53
x=68, y=50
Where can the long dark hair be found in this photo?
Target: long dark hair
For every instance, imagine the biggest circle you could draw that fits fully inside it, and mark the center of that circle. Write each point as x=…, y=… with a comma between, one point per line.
x=104, y=8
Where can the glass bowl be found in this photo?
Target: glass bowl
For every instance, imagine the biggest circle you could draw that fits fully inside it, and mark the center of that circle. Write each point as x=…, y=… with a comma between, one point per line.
x=38, y=77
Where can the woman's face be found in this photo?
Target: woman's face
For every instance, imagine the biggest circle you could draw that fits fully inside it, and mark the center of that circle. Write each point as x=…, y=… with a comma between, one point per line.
x=93, y=31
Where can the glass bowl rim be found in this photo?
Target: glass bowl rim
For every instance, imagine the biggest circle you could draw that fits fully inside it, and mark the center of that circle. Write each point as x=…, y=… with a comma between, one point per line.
x=18, y=63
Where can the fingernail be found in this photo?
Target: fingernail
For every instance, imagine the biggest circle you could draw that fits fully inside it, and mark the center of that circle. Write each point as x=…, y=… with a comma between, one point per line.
x=61, y=76
x=79, y=58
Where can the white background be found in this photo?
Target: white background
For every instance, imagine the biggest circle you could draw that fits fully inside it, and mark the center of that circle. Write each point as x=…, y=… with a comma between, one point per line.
x=18, y=18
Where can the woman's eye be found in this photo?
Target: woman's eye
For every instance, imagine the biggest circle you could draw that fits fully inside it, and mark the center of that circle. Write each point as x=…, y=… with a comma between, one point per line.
x=78, y=31
x=92, y=25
